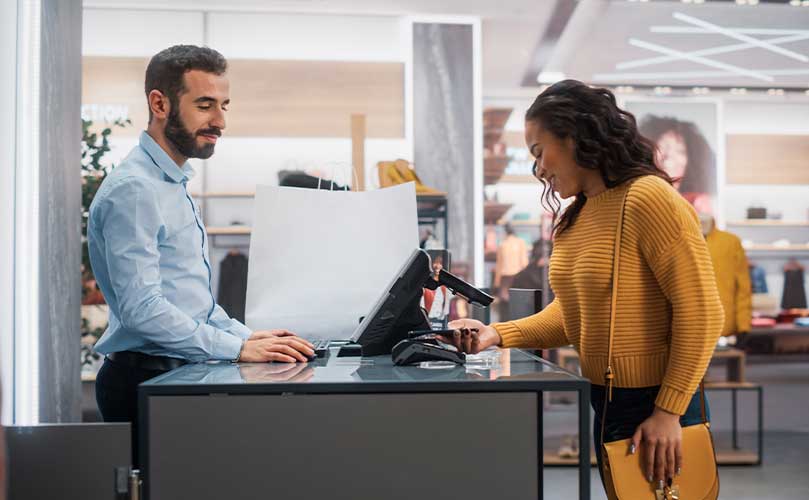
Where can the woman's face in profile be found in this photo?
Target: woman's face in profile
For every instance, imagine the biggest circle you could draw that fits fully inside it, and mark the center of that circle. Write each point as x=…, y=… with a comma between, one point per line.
x=554, y=160
x=672, y=155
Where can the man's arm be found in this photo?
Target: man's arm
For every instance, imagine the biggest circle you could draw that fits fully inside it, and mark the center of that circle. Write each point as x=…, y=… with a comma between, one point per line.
x=130, y=223
x=220, y=319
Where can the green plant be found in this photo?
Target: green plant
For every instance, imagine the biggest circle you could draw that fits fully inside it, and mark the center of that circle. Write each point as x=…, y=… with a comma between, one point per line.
x=93, y=173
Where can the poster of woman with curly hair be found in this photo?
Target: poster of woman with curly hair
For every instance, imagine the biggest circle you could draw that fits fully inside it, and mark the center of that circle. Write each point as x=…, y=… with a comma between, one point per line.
x=686, y=136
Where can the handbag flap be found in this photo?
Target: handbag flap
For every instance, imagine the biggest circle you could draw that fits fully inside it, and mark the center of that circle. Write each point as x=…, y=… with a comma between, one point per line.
x=699, y=477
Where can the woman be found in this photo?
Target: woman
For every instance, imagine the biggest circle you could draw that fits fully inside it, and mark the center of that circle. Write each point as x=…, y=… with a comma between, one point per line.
x=668, y=314
x=686, y=156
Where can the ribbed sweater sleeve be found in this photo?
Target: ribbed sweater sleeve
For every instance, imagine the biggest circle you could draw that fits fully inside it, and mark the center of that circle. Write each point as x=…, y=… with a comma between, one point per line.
x=673, y=246
x=543, y=330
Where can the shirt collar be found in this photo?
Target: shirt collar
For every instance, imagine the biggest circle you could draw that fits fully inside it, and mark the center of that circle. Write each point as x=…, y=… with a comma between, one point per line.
x=164, y=161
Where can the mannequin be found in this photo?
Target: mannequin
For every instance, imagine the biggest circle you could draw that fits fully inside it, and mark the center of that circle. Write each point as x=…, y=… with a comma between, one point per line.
x=732, y=276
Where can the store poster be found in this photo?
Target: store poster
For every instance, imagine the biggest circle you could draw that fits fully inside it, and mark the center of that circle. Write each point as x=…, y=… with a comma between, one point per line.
x=686, y=136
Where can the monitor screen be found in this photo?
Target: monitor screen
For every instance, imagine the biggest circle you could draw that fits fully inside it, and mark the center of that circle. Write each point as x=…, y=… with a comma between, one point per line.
x=397, y=310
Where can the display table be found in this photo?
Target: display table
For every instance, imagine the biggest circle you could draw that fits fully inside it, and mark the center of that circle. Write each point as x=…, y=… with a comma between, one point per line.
x=350, y=427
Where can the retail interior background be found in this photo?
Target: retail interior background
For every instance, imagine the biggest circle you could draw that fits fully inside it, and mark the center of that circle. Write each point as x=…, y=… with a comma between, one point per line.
x=764, y=115
x=241, y=162
x=310, y=135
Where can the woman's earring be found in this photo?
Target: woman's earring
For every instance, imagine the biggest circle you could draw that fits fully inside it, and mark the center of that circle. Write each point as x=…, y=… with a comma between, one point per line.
x=534, y=169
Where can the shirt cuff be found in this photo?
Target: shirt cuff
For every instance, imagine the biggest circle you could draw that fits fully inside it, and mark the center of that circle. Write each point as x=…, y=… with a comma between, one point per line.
x=240, y=330
x=673, y=400
x=227, y=346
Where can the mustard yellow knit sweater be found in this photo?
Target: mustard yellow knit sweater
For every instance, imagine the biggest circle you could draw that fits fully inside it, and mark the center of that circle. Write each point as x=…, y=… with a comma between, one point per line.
x=669, y=315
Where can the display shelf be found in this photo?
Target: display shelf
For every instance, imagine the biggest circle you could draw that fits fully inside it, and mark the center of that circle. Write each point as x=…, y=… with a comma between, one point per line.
x=518, y=179
x=723, y=457
x=494, y=211
x=225, y=194
x=552, y=458
x=768, y=223
x=778, y=248
x=521, y=223
x=229, y=230
x=493, y=168
x=494, y=121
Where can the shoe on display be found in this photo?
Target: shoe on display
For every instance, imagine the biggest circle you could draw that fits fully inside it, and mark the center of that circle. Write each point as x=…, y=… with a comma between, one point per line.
x=401, y=171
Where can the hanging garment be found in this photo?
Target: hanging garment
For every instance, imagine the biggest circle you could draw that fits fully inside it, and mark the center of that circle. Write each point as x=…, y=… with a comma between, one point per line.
x=732, y=280
x=233, y=285
x=758, y=279
x=794, y=296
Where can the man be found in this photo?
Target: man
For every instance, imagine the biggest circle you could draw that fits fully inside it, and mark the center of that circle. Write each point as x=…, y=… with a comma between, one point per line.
x=732, y=276
x=149, y=249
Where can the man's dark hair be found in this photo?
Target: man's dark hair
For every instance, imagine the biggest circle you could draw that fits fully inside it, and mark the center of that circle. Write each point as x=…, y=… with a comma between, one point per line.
x=166, y=69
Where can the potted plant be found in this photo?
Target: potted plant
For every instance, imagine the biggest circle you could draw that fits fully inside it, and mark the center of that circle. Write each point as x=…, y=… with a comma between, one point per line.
x=93, y=172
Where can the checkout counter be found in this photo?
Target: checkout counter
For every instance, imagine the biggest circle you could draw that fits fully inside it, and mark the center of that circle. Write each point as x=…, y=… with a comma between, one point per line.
x=354, y=428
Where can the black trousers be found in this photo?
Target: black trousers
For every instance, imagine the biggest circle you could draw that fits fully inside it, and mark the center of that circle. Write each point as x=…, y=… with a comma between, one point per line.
x=117, y=396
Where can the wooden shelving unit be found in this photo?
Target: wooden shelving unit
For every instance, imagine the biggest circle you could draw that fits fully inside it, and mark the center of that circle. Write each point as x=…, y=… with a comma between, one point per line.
x=768, y=223
x=778, y=248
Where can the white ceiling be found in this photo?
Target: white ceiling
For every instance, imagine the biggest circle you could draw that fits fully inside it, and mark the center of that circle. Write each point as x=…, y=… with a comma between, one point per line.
x=602, y=46
x=595, y=41
x=510, y=28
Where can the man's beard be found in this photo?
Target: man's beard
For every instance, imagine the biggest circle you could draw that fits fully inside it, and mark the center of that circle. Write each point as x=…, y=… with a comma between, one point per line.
x=184, y=141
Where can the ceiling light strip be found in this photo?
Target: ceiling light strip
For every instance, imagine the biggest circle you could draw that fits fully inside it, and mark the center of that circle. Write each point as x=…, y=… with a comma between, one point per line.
x=724, y=49
x=741, y=37
x=745, y=31
x=681, y=75
x=701, y=60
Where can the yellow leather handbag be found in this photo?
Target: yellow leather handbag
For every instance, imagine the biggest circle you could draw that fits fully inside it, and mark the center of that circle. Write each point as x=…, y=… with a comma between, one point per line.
x=623, y=474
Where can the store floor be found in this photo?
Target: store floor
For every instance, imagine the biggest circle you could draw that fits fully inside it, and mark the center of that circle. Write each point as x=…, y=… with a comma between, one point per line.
x=783, y=476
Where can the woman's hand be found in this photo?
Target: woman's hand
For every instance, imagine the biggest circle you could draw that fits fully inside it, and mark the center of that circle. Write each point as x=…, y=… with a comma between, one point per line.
x=472, y=336
x=662, y=437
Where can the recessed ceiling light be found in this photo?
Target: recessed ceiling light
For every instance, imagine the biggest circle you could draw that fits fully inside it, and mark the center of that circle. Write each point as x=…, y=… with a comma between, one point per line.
x=775, y=92
x=624, y=89
x=662, y=90
x=700, y=90
x=741, y=2
x=738, y=91
x=806, y=91
x=795, y=3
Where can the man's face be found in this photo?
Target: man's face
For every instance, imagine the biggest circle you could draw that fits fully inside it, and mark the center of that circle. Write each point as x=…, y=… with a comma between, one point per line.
x=197, y=122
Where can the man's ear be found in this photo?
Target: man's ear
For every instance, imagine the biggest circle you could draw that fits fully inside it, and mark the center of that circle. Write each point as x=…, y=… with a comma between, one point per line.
x=159, y=104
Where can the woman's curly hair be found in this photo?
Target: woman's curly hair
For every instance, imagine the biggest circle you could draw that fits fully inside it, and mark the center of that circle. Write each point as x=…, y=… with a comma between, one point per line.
x=605, y=138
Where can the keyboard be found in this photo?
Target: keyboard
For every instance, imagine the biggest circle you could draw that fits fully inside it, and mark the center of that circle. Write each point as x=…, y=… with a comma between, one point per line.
x=321, y=347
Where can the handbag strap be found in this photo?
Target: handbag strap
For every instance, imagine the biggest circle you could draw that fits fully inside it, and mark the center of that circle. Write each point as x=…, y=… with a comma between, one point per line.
x=609, y=375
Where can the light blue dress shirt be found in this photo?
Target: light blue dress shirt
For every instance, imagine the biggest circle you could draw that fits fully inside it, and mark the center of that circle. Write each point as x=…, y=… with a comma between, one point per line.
x=149, y=252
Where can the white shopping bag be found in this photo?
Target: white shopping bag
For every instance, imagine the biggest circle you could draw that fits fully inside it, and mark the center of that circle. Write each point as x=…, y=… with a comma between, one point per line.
x=320, y=259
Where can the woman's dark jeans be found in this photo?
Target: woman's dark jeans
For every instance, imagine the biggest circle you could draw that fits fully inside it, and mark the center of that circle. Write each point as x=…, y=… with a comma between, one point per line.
x=628, y=409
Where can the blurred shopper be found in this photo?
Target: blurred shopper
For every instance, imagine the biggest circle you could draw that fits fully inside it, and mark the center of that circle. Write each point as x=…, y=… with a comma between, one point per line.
x=149, y=249
x=668, y=313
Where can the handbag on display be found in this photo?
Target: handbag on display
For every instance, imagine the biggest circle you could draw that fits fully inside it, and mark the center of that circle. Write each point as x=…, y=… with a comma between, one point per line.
x=622, y=471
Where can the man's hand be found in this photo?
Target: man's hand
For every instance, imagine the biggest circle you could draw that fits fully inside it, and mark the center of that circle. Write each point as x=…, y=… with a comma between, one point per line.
x=266, y=334
x=285, y=348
